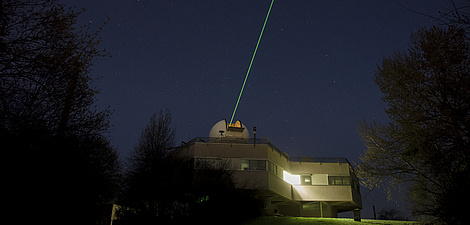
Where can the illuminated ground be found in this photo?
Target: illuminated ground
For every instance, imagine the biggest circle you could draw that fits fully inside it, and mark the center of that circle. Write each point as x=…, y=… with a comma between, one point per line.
x=323, y=221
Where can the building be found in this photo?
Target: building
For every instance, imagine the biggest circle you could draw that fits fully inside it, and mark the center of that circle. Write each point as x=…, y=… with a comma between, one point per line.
x=293, y=186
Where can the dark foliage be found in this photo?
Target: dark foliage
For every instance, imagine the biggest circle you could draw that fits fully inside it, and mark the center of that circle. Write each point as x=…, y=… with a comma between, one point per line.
x=45, y=70
x=56, y=180
x=60, y=166
x=425, y=149
x=391, y=214
x=217, y=199
x=151, y=168
x=166, y=188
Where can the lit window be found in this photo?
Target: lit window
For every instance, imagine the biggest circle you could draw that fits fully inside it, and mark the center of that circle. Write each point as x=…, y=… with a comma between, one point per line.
x=291, y=179
x=306, y=179
x=245, y=165
x=236, y=124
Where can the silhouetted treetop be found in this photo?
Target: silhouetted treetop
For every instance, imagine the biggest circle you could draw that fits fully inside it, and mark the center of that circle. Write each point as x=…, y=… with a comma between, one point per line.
x=45, y=69
x=425, y=148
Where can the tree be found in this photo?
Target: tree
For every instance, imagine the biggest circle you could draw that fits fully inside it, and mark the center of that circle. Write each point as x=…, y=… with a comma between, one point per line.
x=152, y=183
x=45, y=70
x=212, y=186
x=61, y=165
x=425, y=148
x=391, y=214
x=169, y=188
x=155, y=141
x=456, y=15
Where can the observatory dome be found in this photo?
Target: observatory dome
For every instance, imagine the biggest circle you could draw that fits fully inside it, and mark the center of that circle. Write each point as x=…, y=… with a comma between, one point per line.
x=223, y=129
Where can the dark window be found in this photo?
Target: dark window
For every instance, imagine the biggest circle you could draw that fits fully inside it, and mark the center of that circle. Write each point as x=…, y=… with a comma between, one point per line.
x=339, y=180
x=253, y=165
x=257, y=164
x=272, y=168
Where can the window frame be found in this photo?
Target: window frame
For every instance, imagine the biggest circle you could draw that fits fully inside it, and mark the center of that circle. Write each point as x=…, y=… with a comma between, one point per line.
x=339, y=180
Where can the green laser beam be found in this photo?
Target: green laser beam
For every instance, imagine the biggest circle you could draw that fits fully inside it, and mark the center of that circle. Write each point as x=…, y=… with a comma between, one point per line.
x=251, y=63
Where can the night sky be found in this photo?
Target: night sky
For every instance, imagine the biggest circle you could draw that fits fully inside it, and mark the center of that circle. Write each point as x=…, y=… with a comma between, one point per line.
x=312, y=79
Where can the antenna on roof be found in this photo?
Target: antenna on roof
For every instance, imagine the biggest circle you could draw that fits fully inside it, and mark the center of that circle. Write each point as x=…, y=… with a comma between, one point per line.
x=251, y=63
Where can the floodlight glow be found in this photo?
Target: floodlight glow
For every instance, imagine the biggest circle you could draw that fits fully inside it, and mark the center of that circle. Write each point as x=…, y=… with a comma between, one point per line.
x=291, y=179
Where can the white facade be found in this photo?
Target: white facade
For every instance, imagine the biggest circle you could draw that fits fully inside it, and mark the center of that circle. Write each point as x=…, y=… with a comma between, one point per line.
x=294, y=186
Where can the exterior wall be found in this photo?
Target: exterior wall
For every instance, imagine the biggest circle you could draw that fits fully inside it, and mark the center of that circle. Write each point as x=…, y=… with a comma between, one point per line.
x=322, y=193
x=357, y=198
x=237, y=150
x=318, y=209
x=251, y=179
x=289, y=209
x=277, y=158
x=230, y=150
x=319, y=168
x=311, y=209
x=278, y=195
x=279, y=186
x=319, y=179
x=236, y=163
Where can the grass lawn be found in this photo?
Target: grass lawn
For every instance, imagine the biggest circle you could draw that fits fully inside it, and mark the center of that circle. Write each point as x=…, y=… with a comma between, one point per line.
x=323, y=221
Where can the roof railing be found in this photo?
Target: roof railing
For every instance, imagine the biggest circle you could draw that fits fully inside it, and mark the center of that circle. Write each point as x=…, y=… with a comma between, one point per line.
x=254, y=141
x=319, y=159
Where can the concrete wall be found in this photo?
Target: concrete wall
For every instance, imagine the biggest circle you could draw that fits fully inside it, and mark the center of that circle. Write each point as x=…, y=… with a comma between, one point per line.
x=279, y=186
x=297, y=200
x=357, y=198
x=251, y=179
x=319, y=168
x=312, y=209
x=322, y=193
x=237, y=150
x=290, y=209
x=277, y=158
x=230, y=150
x=319, y=179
